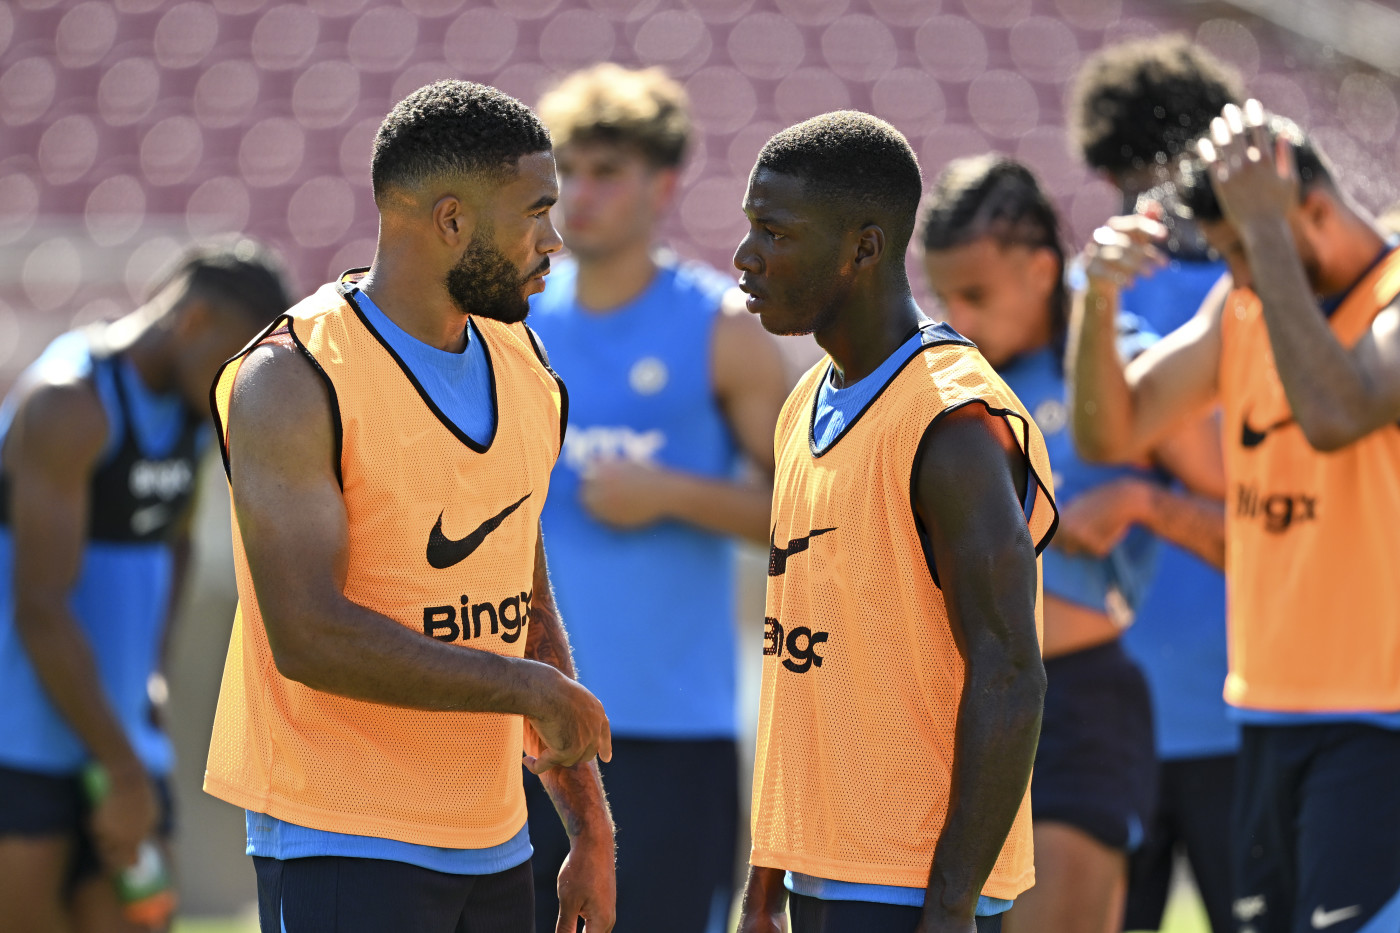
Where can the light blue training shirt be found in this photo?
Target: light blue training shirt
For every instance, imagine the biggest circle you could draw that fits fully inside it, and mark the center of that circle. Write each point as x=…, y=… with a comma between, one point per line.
x=1178, y=638
x=121, y=598
x=650, y=610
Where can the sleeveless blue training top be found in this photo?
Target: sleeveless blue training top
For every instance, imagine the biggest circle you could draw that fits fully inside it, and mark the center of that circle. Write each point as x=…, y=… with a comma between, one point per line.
x=1113, y=584
x=650, y=611
x=143, y=482
x=1179, y=638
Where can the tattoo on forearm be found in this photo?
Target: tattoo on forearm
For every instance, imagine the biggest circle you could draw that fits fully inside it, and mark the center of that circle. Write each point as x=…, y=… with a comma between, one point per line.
x=576, y=791
x=546, y=641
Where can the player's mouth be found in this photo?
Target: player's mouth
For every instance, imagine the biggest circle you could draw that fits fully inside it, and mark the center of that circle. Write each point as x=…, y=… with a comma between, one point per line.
x=756, y=295
x=535, y=283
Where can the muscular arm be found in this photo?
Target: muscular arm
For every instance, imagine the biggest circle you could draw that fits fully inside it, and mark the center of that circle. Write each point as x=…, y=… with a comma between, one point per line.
x=968, y=488
x=1337, y=395
x=50, y=455
x=750, y=383
x=1119, y=415
x=295, y=532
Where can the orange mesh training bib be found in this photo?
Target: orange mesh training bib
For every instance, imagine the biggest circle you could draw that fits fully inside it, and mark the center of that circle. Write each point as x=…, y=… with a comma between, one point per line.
x=1313, y=539
x=442, y=540
x=862, y=679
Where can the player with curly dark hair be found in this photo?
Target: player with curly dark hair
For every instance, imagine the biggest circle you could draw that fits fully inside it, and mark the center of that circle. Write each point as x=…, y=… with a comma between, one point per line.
x=1136, y=106
x=389, y=443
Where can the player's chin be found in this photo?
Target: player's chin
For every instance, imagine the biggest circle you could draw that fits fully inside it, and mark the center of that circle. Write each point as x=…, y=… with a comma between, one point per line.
x=779, y=320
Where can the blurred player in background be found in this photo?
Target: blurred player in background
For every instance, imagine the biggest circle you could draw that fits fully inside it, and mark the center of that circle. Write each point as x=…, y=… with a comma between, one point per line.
x=670, y=382
x=1302, y=354
x=902, y=681
x=389, y=448
x=101, y=442
x=1136, y=107
x=994, y=258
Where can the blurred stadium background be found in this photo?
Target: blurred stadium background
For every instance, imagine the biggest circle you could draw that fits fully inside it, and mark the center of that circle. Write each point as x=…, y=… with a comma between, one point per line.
x=128, y=127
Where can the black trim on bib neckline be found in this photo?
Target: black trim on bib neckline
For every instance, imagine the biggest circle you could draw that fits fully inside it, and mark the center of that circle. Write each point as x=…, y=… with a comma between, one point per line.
x=337, y=427
x=347, y=291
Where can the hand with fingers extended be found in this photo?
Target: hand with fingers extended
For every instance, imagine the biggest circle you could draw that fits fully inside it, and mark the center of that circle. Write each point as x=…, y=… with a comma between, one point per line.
x=571, y=727
x=1123, y=250
x=1251, y=168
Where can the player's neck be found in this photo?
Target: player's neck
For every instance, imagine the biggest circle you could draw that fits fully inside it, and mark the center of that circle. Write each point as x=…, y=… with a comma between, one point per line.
x=610, y=281
x=144, y=338
x=150, y=354
x=868, y=329
x=417, y=303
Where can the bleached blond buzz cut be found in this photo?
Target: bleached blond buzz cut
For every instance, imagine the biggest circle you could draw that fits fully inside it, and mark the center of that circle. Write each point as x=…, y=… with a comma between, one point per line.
x=644, y=109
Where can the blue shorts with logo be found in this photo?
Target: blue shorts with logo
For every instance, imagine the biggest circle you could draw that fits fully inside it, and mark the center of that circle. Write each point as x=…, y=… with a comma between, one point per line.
x=1317, y=829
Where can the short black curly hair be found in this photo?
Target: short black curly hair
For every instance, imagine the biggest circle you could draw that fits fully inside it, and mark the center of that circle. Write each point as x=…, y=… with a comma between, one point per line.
x=453, y=128
x=856, y=162
x=1195, y=195
x=1143, y=101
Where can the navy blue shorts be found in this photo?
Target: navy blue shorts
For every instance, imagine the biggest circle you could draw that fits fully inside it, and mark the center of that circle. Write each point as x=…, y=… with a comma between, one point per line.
x=813, y=915
x=1317, y=829
x=1095, y=768
x=1194, y=805
x=337, y=894
x=676, y=806
x=35, y=804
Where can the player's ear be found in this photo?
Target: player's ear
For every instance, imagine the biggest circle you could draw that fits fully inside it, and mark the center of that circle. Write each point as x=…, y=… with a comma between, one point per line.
x=664, y=182
x=453, y=220
x=870, y=245
x=190, y=317
x=1317, y=208
x=1043, y=268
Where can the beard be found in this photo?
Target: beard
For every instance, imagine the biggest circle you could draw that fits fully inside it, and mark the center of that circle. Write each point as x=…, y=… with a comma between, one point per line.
x=486, y=284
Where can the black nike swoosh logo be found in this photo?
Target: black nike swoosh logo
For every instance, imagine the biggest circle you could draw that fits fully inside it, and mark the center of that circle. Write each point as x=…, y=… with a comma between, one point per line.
x=778, y=556
x=443, y=552
x=1252, y=438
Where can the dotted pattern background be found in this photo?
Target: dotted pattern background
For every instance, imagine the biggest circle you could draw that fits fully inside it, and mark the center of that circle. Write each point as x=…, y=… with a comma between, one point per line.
x=128, y=126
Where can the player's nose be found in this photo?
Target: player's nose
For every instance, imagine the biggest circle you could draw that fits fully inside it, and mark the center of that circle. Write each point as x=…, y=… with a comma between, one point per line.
x=746, y=258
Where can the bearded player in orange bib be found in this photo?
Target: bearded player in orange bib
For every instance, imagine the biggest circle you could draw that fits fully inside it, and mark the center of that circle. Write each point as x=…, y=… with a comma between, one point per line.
x=902, y=680
x=1303, y=354
x=389, y=443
